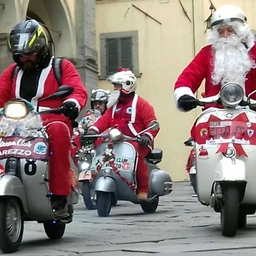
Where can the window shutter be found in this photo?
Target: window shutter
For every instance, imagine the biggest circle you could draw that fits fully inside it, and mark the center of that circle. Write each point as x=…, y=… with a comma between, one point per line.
x=112, y=55
x=119, y=54
x=126, y=52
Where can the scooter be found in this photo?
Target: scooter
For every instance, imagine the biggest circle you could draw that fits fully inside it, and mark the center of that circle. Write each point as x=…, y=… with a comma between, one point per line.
x=225, y=146
x=82, y=157
x=113, y=172
x=24, y=174
x=191, y=163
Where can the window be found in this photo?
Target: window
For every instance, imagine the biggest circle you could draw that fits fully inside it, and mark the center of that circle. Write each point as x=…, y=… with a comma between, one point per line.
x=118, y=50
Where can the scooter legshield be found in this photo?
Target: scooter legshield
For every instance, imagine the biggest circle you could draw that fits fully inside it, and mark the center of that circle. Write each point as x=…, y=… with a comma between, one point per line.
x=105, y=184
x=227, y=170
x=11, y=185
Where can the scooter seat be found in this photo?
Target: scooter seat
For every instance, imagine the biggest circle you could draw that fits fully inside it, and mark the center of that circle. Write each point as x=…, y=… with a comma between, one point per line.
x=155, y=156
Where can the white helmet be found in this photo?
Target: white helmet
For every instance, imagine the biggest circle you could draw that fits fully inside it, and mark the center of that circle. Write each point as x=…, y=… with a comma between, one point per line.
x=227, y=13
x=126, y=78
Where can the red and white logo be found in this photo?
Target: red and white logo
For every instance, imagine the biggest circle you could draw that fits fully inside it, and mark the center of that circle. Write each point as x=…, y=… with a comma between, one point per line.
x=203, y=153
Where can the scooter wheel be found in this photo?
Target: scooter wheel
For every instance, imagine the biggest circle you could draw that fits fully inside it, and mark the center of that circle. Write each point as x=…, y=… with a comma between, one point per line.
x=11, y=225
x=87, y=193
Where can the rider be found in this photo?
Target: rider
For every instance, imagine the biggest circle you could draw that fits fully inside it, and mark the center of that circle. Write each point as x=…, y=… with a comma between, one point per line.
x=99, y=100
x=230, y=58
x=35, y=79
x=131, y=114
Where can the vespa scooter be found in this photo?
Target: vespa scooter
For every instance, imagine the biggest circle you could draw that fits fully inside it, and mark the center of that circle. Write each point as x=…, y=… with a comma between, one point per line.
x=225, y=146
x=113, y=175
x=24, y=174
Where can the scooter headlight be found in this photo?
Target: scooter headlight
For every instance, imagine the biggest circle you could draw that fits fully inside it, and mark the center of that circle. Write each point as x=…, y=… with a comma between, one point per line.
x=15, y=110
x=115, y=134
x=231, y=94
x=84, y=166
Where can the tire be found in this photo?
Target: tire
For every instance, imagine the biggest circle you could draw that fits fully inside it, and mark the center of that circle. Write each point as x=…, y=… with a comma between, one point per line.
x=103, y=203
x=193, y=181
x=230, y=211
x=242, y=220
x=150, y=207
x=54, y=229
x=11, y=225
x=87, y=193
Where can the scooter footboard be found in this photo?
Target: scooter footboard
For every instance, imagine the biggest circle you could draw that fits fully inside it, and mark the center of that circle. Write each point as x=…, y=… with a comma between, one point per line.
x=10, y=185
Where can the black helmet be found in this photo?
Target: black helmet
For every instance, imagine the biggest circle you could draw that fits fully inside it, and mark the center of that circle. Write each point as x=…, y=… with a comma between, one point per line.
x=99, y=95
x=28, y=38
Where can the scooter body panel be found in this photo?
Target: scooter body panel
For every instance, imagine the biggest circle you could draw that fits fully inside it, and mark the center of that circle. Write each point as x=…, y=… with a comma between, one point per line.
x=125, y=176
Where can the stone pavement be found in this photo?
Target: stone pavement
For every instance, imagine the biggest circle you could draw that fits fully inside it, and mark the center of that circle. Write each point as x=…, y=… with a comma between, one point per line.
x=180, y=226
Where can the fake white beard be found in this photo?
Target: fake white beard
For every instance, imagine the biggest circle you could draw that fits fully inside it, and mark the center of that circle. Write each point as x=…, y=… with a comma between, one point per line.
x=231, y=61
x=113, y=98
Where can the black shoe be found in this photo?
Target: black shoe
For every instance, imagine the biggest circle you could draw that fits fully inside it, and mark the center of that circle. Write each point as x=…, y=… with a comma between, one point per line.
x=59, y=207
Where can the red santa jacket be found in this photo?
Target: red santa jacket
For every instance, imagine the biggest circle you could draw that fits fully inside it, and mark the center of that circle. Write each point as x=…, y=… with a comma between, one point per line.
x=47, y=85
x=131, y=115
x=200, y=68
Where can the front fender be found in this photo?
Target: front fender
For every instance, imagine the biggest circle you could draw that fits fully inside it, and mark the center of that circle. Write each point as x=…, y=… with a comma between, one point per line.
x=105, y=184
x=10, y=185
x=230, y=170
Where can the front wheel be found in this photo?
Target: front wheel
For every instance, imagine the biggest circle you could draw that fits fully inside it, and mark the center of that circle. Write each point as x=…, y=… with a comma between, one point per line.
x=230, y=211
x=103, y=203
x=54, y=229
x=11, y=225
x=151, y=206
x=88, y=194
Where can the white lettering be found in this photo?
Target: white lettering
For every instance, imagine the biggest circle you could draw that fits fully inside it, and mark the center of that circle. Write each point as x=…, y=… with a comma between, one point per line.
x=17, y=152
x=19, y=142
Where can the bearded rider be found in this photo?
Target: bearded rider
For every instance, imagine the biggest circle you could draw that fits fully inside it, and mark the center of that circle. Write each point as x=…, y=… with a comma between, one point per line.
x=230, y=58
x=131, y=114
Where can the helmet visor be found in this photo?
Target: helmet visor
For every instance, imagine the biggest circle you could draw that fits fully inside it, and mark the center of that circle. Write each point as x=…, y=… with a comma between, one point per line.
x=24, y=44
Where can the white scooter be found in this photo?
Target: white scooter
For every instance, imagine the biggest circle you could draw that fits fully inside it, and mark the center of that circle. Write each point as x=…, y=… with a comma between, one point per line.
x=225, y=145
x=24, y=173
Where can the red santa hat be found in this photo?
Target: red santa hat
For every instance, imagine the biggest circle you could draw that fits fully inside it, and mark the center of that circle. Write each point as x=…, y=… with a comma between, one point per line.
x=122, y=69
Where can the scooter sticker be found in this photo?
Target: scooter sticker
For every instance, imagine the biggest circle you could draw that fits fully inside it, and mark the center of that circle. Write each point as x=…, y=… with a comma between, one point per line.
x=21, y=147
x=40, y=148
x=126, y=165
x=250, y=132
x=203, y=153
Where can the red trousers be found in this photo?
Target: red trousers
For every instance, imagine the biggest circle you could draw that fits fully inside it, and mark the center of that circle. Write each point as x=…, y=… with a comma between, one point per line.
x=59, y=149
x=142, y=170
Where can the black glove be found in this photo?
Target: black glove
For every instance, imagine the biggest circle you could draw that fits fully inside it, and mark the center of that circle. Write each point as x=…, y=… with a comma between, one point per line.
x=70, y=109
x=144, y=140
x=85, y=140
x=187, y=102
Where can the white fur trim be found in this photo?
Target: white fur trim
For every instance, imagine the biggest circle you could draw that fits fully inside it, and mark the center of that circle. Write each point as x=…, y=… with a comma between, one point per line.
x=180, y=92
x=94, y=128
x=76, y=102
x=41, y=82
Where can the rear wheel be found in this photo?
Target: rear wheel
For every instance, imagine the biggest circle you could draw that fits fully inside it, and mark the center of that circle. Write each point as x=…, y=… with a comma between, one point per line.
x=54, y=229
x=151, y=206
x=103, y=203
x=88, y=194
x=230, y=211
x=11, y=225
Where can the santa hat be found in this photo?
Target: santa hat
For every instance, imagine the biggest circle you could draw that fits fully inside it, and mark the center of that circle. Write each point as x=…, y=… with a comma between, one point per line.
x=122, y=69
